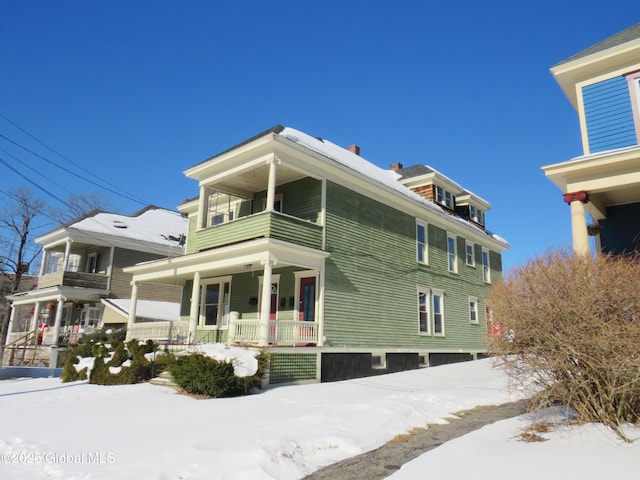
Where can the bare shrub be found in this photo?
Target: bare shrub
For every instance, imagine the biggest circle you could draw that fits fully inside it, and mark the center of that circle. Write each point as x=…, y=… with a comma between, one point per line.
x=571, y=325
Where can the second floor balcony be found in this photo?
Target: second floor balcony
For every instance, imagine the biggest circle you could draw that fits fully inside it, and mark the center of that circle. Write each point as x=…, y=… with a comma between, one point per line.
x=74, y=279
x=260, y=225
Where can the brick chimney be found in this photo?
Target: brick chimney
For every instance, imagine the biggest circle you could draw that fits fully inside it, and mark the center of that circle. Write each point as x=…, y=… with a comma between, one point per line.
x=396, y=166
x=354, y=149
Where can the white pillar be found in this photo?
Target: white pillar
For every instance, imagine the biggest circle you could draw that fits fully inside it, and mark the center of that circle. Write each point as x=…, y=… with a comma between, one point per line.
x=194, y=313
x=67, y=252
x=132, y=309
x=233, y=319
x=271, y=187
x=34, y=319
x=45, y=259
x=202, y=207
x=58, y=320
x=578, y=221
x=265, y=305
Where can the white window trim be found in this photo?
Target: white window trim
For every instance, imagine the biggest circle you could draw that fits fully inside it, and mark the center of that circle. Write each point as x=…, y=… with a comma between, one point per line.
x=299, y=275
x=425, y=251
x=467, y=244
x=451, y=236
x=222, y=315
x=427, y=295
x=486, y=267
x=439, y=293
x=633, y=80
x=474, y=301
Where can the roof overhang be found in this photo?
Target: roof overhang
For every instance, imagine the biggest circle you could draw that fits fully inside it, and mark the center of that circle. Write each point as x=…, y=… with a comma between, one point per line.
x=237, y=258
x=75, y=294
x=621, y=59
x=610, y=178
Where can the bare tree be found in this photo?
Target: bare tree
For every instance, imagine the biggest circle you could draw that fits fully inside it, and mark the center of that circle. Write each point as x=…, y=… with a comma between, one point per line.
x=79, y=204
x=17, y=252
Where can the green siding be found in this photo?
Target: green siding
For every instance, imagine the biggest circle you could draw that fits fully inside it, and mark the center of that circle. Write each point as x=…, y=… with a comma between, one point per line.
x=372, y=278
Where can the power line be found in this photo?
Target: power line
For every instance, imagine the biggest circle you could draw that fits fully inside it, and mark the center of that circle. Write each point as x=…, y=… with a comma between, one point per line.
x=39, y=187
x=75, y=164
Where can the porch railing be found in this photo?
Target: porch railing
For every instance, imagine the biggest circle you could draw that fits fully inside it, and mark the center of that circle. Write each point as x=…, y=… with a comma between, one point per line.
x=170, y=332
x=281, y=332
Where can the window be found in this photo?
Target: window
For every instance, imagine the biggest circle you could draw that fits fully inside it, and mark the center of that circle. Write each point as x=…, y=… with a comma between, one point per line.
x=452, y=253
x=471, y=254
x=438, y=312
x=215, y=303
x=92, y=263
x=473, y=310
x=476, y=215
x=421, y=243
x=448, y=200
x=444, y=197
x=423, y=310
x=486, y=268
x=54, y=262
x=439, y=195
x=221, y=208
x=90, y=317
x=431, y=311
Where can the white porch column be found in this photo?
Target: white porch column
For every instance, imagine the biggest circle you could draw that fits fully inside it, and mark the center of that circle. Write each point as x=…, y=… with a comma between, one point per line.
x=194, y=312
x=265, y=305
x=271, y=186
x=45, y=259
x=58, y=320
x=578, y=221
x=67, y=252
x=34, y=319
x=202, y=206
x=132, y=309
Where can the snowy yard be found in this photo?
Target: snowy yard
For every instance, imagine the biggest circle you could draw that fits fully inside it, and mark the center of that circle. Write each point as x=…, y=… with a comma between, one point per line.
x=79, y=431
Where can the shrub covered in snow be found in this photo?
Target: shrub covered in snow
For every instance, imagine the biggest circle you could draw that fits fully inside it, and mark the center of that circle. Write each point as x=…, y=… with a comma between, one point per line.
x=217, y=370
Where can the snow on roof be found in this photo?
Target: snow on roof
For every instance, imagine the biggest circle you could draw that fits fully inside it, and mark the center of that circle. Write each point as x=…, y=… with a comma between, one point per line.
x=153, y=225
x=388, y=178
x=156, y=310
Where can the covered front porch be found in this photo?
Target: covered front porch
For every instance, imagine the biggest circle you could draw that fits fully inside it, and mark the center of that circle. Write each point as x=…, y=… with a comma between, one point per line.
x=259, y=292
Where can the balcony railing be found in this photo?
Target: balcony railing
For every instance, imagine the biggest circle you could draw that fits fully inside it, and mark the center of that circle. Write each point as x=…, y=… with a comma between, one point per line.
x=166, y=332
x=281, y=332
x=264, y=224
x=98, y=281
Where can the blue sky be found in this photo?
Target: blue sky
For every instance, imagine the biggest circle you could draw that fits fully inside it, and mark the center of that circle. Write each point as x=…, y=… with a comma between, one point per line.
x=137, y=91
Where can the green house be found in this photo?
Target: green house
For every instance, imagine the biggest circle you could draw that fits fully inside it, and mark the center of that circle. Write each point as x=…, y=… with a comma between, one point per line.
x=340, y=268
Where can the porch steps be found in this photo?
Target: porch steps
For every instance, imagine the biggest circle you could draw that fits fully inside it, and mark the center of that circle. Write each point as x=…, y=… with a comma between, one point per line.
x=164, y=379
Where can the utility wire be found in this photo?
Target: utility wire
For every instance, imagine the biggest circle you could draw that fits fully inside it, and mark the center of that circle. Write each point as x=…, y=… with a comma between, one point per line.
x=75, y=164
x=39, y=187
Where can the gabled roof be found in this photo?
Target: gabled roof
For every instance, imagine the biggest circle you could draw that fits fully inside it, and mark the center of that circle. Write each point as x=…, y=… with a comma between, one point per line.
x=151, y=228
x=627, y=35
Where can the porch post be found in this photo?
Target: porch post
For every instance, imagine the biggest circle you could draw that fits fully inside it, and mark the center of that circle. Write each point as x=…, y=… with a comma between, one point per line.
x=34, y=319
x=265, y=305
x=578, y=221
x=67, y=252
x=132, y=309
x=202, y=200
x=58, y=320
x=271, y=187
x=195, y=307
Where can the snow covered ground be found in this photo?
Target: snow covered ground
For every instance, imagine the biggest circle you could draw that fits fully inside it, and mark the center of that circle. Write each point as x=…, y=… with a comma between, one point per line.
x=52, y=430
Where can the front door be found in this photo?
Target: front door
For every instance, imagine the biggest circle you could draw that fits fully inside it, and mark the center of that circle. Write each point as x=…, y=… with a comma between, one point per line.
x=307, y=304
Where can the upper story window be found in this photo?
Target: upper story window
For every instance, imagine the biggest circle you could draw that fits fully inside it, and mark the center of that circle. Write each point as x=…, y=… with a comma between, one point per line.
x=422, y=243
x=221, y=208
x=452, y=253
x=486, y=267
x=470, y=253
x=476, y=215
x=444, y=197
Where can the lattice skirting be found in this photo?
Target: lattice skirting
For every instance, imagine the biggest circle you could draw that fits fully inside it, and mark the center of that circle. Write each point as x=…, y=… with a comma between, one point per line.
x=292, y=367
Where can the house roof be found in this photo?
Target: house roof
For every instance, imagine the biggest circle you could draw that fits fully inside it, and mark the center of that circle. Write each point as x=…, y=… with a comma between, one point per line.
x=627, y=35
x=150, y=309
x=151, y=226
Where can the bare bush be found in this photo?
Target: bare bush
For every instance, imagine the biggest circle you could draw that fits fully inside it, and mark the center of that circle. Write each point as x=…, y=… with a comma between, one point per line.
x=571, y=325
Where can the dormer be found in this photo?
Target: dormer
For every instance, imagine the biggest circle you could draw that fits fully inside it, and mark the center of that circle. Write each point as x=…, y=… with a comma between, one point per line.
x=430, y=184
x=472, y=207
x=603, y=85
